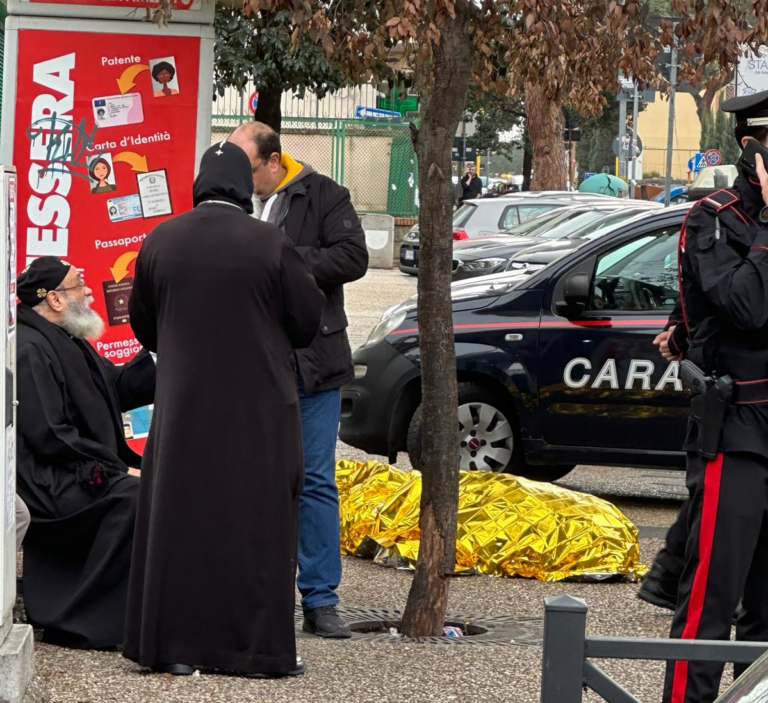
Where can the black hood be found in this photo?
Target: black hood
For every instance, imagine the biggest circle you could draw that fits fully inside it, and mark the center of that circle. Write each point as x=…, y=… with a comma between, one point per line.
x=225, y=174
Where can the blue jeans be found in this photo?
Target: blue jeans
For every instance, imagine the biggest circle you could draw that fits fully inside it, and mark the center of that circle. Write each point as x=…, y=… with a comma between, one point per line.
x=319, y=540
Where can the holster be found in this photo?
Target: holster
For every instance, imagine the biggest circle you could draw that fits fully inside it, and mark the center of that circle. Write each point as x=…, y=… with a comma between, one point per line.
x=709, y=409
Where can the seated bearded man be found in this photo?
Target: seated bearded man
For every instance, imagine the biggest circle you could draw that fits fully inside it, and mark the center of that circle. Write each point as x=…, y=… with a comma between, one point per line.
x=73, y=461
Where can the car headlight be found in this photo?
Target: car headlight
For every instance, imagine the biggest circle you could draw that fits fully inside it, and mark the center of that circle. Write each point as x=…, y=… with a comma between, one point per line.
x=481, y=264
x=386, y=325
x=411, y=236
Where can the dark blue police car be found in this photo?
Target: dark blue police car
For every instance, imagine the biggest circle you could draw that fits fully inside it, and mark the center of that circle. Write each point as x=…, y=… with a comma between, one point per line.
x=555, y=368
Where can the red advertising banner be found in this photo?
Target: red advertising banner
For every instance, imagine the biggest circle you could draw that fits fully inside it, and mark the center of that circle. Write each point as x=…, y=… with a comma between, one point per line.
x=104, y=145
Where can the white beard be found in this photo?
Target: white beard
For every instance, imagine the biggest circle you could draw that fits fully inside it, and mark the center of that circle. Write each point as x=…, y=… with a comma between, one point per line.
x=82, y=322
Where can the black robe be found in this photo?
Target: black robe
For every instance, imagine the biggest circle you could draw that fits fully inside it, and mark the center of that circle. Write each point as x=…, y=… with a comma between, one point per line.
x=72, y=463
x=224, y=300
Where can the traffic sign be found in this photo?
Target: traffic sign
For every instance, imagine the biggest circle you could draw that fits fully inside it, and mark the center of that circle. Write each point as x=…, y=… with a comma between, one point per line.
x=589, y=174
x=646, y=96
x=697, y=162
x=374, y=113
x=629, y=151
x=253, y=102
x=713, y=157
x=470, y=153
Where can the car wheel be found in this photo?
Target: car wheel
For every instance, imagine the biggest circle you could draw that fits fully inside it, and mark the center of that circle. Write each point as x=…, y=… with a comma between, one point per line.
x=489, y=436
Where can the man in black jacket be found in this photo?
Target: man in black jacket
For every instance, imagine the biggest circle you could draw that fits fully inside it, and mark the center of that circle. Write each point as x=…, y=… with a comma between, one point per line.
x=471, y=185
x=317, y=215
x=73, y=461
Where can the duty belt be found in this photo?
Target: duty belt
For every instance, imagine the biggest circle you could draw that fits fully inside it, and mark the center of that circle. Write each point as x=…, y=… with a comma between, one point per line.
x=750, y=392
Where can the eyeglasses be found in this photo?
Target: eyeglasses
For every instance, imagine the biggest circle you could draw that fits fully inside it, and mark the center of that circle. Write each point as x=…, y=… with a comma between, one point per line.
x=61, y=290
x=263, y=162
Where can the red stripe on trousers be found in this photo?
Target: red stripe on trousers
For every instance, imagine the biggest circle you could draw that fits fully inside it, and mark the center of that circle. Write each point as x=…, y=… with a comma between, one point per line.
x=712, y=474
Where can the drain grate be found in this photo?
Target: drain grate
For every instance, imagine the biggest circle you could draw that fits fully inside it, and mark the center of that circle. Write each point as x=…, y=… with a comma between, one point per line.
x=372, y=625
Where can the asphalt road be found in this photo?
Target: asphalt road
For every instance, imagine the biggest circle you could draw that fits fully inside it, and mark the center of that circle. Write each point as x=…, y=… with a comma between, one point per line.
x=359, y=671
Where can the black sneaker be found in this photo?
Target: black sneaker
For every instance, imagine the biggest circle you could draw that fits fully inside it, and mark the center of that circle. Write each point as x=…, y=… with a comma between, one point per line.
x=325, y=622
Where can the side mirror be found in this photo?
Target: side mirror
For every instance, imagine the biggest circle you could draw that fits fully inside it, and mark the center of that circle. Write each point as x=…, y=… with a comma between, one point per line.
x=575, y=295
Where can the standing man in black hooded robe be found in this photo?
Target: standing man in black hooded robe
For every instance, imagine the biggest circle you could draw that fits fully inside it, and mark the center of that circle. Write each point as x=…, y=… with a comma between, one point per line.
x=225, y=300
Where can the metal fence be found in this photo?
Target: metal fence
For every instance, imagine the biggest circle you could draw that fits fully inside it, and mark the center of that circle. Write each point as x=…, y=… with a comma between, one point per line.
x=374, y=160
x=339, y=105
x=566, y=671
x=656, y=160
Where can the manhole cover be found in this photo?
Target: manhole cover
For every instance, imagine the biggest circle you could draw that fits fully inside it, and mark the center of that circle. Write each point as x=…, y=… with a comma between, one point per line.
x=373, y=625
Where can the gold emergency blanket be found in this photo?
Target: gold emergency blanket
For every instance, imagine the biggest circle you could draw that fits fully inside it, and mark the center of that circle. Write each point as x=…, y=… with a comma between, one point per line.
x=507, y=526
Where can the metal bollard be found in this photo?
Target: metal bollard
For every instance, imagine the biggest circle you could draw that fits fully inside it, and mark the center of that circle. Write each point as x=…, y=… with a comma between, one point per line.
x=562, y=668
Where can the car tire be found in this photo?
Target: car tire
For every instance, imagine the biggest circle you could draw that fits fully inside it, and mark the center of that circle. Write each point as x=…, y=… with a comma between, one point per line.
x=491, y=414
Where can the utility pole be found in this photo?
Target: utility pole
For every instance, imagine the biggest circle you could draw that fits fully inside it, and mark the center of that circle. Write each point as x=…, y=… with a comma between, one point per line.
x=570, y=157
x=635, y=109
x=463, y=147
x=671, y=125
x=622, y=137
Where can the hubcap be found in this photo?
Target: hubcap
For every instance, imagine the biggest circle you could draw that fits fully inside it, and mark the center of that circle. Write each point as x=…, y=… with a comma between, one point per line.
x=486, y=438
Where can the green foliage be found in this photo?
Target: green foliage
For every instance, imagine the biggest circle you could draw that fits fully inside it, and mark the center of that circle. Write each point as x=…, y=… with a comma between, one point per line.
x=495, y=117
x=260, y=48
x=595, y=150
x=717, y=133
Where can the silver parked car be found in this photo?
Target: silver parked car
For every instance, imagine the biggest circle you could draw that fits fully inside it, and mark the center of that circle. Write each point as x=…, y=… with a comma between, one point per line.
x=475, y=217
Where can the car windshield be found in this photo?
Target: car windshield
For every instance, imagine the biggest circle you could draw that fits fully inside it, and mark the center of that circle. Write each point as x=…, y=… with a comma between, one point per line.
x=606, y=224
x=462, y=215
x=522, y=229
x=563, y=217
x=569, y=226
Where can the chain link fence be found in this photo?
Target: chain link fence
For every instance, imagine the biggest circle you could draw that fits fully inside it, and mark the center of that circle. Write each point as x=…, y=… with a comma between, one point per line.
x=374, y=160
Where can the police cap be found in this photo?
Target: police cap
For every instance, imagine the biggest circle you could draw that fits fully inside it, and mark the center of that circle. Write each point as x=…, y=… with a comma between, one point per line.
x=750, y=110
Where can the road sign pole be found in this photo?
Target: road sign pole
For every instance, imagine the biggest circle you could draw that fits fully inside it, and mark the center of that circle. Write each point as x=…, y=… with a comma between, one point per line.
x=622, y=136
x=670, y=126
x=463, y=144
x=635, y=132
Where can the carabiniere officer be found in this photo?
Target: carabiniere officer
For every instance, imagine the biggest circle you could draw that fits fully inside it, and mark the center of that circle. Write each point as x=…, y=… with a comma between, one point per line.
x=723, y=329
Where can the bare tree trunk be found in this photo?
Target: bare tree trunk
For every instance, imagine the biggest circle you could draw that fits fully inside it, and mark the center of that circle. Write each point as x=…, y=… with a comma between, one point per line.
x=451, y=70
x=269, y=110
x=704, y=100
x=545, y=130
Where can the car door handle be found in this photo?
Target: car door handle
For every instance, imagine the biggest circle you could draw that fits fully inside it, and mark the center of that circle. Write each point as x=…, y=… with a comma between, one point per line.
x=513, y=337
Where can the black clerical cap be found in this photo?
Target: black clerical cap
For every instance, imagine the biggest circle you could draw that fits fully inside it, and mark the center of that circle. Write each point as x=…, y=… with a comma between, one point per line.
x=42, y=275
x=750, y=110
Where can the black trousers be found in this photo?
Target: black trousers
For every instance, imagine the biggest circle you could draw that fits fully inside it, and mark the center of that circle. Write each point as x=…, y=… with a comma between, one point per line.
x=726, y=559
x=669, y=562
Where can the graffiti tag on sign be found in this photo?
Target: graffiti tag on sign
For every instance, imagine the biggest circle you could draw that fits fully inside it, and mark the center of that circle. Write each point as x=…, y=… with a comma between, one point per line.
x=66, y=144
